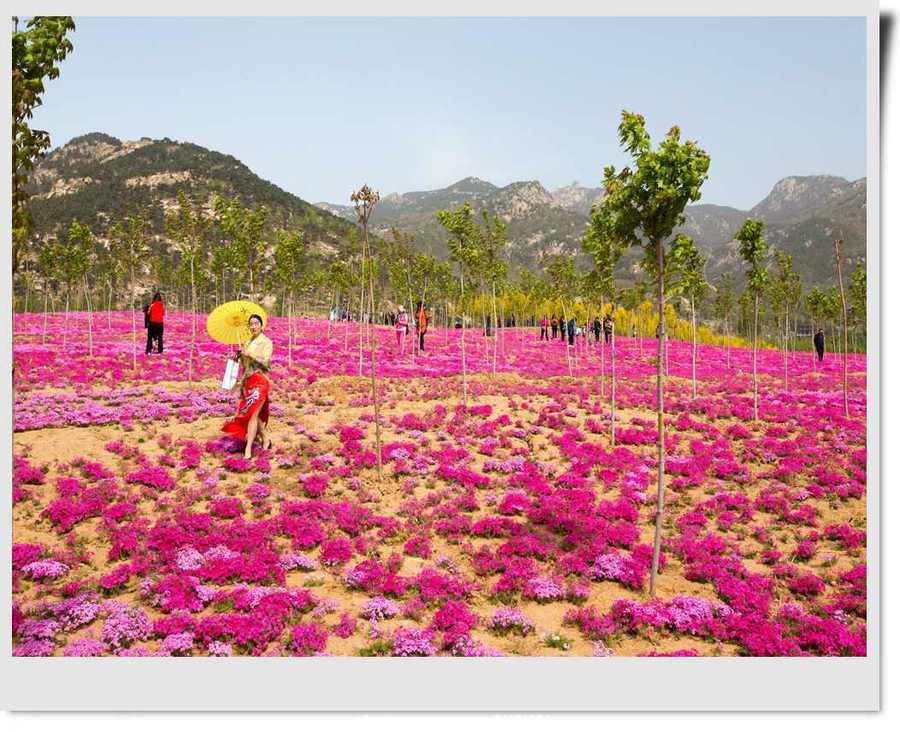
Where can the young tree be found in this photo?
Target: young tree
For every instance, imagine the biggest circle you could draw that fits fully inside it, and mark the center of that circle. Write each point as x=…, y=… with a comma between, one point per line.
x=128, y=242
x=601, y=243
x=643, y=205
x=465, y=249
x=76, y=260
x=837, y=264
x=785, y=290
x=493, y=266
x=244, y=229
x=290, y=255
x=564, y=283
x=49, y=268
x=858, y=293
x=691, y=264
x=189, y=227
x=755, y=252
x=723, y=306
x=364, y=201
x=36, y=51
x=816, y=307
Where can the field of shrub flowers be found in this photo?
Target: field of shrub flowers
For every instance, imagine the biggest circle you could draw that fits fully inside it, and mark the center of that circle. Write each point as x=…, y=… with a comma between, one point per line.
x=507, y=526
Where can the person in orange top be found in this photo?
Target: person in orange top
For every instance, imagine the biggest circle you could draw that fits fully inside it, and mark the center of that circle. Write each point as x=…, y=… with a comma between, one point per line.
x=155, y=315
x=421, y=324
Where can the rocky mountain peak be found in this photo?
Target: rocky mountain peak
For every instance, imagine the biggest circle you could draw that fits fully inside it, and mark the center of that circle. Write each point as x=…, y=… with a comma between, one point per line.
x=792, y=198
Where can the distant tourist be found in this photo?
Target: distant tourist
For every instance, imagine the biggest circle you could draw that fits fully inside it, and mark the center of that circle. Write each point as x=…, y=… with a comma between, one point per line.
x=607, y=328
x=571, y=329
x=596, y=329
x=401, y=328
x=819, y=343
x=633, y=332
x=544, y=324
x=154, y=314
x=554, y=326
x=421, y=324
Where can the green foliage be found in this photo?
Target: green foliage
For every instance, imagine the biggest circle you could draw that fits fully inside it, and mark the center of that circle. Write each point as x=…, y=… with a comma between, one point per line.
x=36, y=51
x=857, y=295
x=689, y=264
x=724, y=300
x=644, y=204
x=128, y=241
x=601, y=242
x=785, y=288
x=189, y=228
x=465, y=242
x=755, y=252
x=243, y=228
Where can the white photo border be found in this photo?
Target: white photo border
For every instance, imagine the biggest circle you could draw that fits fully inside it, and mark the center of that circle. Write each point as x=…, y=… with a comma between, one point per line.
x=456, y=684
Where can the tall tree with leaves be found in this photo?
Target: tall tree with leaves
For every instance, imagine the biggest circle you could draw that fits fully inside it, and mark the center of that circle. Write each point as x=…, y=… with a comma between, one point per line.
x=691, y=265
x=755, y=253
x=48, y=268
x=128, y=243
x=606, y=249
x=290, y=255
x=643, y=205
x=364, y=201
x=76, y=258
x=858, y=293
x=36, y=51
x=465, y=249
x=837, y=264
x=784, y=292
x=243, y=228
x=493, y=266
x=816, y=307
x=723, y=305
x=189, y=227
x=564, y=284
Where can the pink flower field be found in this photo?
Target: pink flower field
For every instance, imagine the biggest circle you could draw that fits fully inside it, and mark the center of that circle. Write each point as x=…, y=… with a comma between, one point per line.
x=510, y=526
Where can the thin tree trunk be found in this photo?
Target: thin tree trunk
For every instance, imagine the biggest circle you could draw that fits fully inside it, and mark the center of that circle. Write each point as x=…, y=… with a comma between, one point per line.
x=566, y=339
x=755, y=334
x=193, y=324
x=46, y=314
x=496, y=324
x=786, y=318
x=373, y=345
x=109, y=307
x=463, y=339
x=66, y=321
x=290, y=329
x=612, y=411
x=693, y=347
x=133, y=323
x=602, y=354
x=661, y=454
x=837, y=252
x=90, y=318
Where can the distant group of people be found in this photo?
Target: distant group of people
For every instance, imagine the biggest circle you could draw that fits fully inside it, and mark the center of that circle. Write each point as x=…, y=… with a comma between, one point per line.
x=401, y=326
x=569, y=329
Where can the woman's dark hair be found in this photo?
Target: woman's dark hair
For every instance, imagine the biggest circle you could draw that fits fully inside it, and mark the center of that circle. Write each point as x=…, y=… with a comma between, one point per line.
x=156, y=296
x=255, y=316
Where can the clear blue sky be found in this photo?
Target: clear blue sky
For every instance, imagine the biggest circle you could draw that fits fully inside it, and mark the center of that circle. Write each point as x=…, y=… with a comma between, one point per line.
x=319, y=106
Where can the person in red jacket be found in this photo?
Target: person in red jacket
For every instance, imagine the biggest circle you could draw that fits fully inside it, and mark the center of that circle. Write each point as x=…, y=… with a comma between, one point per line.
x=155, y=315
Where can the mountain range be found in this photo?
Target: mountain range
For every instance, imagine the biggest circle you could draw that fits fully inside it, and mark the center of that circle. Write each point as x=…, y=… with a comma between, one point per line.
x=97, y=178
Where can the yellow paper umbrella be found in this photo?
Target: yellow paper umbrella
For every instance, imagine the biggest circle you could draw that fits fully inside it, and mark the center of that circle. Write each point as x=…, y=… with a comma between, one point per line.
x=228, y=323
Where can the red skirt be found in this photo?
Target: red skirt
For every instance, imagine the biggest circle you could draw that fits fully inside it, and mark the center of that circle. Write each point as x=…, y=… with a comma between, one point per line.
x=256, y=397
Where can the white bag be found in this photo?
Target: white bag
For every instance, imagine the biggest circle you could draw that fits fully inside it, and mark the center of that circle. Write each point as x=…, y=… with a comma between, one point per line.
x=231, y=373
